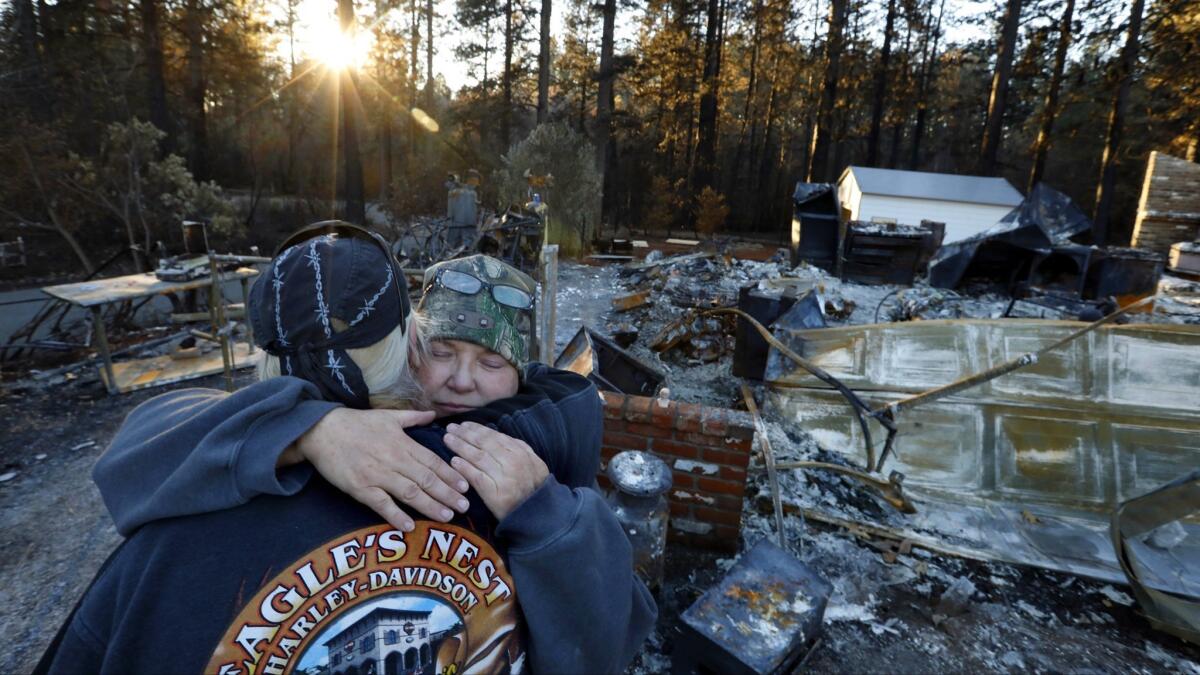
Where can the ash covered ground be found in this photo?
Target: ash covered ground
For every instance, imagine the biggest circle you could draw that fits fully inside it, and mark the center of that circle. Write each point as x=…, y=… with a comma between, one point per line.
x=921, y=613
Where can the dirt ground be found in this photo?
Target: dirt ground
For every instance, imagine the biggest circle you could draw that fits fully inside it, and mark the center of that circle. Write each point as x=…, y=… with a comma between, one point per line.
x=54, y=530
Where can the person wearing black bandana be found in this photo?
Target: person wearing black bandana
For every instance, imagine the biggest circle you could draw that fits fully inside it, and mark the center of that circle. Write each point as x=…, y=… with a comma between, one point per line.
x=330, y=309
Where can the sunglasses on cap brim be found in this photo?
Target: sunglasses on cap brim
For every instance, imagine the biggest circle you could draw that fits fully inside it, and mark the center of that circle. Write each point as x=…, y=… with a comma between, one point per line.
x=469, y=284
x=341, y=228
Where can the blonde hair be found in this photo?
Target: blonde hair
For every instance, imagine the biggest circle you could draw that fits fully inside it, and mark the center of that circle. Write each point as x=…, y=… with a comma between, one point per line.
x=387, y=365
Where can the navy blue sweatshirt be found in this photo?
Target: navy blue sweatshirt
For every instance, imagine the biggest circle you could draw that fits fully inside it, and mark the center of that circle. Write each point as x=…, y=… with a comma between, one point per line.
x=198, y=450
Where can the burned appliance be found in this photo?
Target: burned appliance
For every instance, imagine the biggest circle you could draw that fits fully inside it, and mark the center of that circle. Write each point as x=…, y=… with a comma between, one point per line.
x=815, y=225
x=610, y=367
x=763, y=617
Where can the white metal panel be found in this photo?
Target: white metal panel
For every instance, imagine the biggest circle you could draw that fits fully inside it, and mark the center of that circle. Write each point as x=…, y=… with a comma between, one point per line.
x=962, y=219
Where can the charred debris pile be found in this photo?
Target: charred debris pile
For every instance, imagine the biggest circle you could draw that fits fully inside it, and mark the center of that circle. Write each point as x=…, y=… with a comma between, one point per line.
x=962, y=465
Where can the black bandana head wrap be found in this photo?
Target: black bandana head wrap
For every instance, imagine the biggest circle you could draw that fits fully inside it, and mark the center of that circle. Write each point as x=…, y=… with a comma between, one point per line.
x=292, y=304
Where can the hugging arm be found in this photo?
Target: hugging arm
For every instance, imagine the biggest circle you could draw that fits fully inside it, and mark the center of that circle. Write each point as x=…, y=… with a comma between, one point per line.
x=572, y=563
x=200, y=450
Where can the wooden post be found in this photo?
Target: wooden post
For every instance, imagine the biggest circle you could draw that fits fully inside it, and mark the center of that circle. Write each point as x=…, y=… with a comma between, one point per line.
x=102, y=345
x=246, y=316
x=547, y=303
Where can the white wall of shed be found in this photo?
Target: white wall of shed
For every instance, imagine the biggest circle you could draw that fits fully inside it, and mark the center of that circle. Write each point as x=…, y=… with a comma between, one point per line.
x=962, y=219
x=848, y=194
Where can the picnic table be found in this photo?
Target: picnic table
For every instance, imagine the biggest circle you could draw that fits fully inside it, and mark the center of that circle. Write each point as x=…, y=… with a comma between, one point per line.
x=126, y=376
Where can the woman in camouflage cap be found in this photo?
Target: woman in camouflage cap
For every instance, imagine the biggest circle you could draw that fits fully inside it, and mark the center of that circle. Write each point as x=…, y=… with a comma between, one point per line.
x=479, y=316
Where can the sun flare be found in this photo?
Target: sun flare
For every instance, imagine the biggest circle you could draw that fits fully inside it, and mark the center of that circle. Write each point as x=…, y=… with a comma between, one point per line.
x=339, y=50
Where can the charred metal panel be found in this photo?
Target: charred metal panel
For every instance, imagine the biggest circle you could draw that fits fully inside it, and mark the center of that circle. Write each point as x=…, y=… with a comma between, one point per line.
x=1031, y=464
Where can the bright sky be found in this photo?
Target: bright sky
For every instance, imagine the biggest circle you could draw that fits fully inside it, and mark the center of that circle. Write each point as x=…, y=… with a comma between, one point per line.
x=317, y=33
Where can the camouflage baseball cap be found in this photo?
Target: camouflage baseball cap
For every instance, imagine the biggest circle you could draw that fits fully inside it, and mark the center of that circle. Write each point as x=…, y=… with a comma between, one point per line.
x=495, y=316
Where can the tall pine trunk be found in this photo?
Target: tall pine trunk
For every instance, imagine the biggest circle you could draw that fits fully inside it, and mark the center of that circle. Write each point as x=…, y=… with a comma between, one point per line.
x=605, y=150
x=156, y=85
x=993, y=132
x=928, y=76
x=352, y=174
x=196, y=90
x=429, y=56
x=1041, y=146
x=507, y=76
x=543, y=100
x=821, y=155
x=1116, y=128
x=710, y=84
x=880, y=91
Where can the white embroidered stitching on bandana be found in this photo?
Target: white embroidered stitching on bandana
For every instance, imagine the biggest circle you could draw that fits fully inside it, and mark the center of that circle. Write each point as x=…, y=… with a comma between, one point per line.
x=369, y=305
x=277, y=284
x=335, y=364
x=314, y=261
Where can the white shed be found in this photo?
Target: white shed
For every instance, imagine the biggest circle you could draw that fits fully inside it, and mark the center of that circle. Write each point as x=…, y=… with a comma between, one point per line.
x=967, y=204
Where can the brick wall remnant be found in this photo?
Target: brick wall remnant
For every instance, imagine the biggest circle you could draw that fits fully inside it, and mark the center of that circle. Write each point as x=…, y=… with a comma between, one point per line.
x=1169, y=209
x=708, y=450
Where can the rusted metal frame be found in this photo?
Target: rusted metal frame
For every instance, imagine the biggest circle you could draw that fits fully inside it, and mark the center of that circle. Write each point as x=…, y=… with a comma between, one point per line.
x=216, y=307
x=769, y=459
x=889, y=410
x=861, y=409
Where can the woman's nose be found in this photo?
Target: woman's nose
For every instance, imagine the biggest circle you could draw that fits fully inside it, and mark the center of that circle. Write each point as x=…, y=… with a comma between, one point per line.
x=462, y=379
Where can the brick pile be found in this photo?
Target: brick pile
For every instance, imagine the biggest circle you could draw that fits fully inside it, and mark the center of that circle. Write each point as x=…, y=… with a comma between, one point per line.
x=1169, y=209
x=707, y=449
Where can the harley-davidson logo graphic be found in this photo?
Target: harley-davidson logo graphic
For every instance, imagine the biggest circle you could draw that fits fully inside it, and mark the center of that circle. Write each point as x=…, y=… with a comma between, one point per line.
x=378, y=601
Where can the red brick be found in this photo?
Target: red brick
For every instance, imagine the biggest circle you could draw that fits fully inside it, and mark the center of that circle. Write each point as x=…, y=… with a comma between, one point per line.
x=614, y=425
x=650, y=430
x=720, y=486
x=731, y=444
x=680, y=509
x=717, y=516
x=717, y=456
x=727, y=502
x=696, y=438
x=663, y=415
x=675, y=449
x=603, y=482
x=727, y=533
x=624, y=441
x=739, y=428
x=638, y=408
x=712, y=422
x=687, y=418
x=733, y=473
x=607, y=451
x=683, y=481
x=614, y=405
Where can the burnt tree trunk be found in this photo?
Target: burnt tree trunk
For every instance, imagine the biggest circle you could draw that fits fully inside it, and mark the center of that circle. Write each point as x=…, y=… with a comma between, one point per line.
x=1116, y=127
x=820, y=156
x=880, y=91
x=993, y=131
